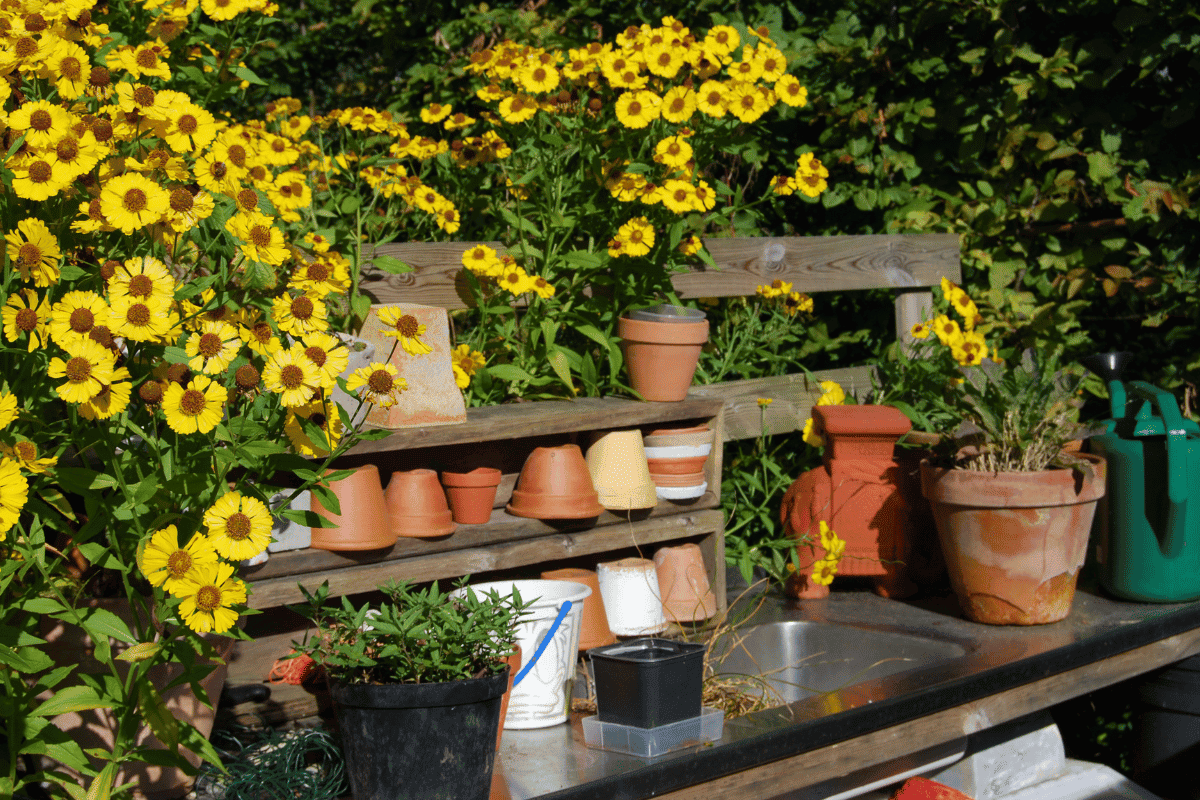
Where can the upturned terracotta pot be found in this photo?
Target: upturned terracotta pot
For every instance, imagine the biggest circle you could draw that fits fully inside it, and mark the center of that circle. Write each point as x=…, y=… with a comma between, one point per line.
x=471, y=495
x=691, y=436
x=856, y=493
x=363, y=521
x=687, y=595
x=661, y=357
x=417, y=506
x=595, y=631
x=1014, y=542
x=555, y=484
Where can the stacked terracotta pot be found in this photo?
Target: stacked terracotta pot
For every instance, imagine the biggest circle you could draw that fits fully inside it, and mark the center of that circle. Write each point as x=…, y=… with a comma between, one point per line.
x=676, y=458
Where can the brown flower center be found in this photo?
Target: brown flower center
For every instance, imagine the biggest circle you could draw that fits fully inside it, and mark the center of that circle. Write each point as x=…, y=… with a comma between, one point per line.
x=262, y=333
x=237, y=526
x=26, y=451
x=317, y=355
x=291, y=377
x=143, y=96
x=178, y=563
x=218, y=169
x=138, y=315
x=102, y=129
x=380, y=382
x=178, y=373
x=40, y=171
x=146, y=59
x=151, y=393
x=209, y=597
x=246, y=376
x=26, y=47
x=260, y=236
x=210, y=345
x=247, y=199
x=109, y=268
x=187, y=124
x=135, y=200
x=318, y=272
x=99, y=77
x=78, y=369
x=237, y=154
x=26, y=320
x=408, y=326
x=82, y=320
x=141, y=286
x=101, y=335
x=67, y=150
x=302, y=308
x=41, y=120
x=635, y=108
x=193, y=402
x=35, y=23
x=28, y=255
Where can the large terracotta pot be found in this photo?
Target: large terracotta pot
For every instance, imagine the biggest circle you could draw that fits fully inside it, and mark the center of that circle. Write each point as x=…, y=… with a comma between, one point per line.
x=363, y=521
x=661, y=357
x=856, y=491
x=416, y=505
x=71, y=645
x=555, y=484
x=1014, y=542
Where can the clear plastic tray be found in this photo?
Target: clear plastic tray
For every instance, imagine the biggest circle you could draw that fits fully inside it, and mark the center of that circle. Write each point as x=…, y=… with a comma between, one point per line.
x=650, y=742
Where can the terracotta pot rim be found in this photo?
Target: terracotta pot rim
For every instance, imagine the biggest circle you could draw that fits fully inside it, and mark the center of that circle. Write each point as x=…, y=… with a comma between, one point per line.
x=681, y=431
x=476, y=478
x=534, y=505
x=682, y=333
x=338, y=545
x=1051, y=487
x=862, y=420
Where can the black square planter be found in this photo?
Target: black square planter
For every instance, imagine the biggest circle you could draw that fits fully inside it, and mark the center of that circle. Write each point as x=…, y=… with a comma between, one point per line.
x=645, y=683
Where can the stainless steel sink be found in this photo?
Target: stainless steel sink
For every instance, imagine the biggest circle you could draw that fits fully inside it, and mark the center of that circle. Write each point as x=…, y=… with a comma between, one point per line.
x=799, y=658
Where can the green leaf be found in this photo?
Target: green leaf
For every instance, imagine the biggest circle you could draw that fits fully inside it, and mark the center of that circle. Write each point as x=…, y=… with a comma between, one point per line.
x=247, y=75
x=143, y=651
x=102, y=623
x=101, y=788
x=156, y=714
x=390, y=265
x=71, y=698
x=508, y=372
x=24, y=659
x=558, y=362
x=80, y=479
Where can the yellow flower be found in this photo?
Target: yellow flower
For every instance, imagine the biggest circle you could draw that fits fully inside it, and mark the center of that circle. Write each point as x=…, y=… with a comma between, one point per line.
x=75, y=316
x=239, y=527
x=538, y=78
x=405, y=329
x=39, y=176
x=517, y=108
x=26, y=315
x=795, y=301
x=664, y=60
x=832, y=394
x=823, y=571
x=260, y=239
x=293, y=376
x=969, y=349
x=810, y=436
x=712, y=99
x=763, y=402
x=947, y=330
x=789, y=91
x=25, y=453
x=465, y=362
x=965, y=306
x=146, y=320
x=41, y=121
x=34, y=251
x=133, y=201
x=209, y=596
x=542, y=288
x=299, y=315
x=14, y=492
x=776, y=288
x=921, y=330
x=212, y=347
x=638, y=109
x=379, y=384
x=722, y=39
x=678, y=196
x=673, y=152
x=324, y=414
x=746, y=102
x=111, y=400
x=435, y=112
x=166, y=564
x=89, y=367
x=636, y=236
x=196, y=408
x=142, y=278
x=328, y=353
x=481, y=260
x=8, y=409
x=690, y=245
x=514, y=279
x=678, y=104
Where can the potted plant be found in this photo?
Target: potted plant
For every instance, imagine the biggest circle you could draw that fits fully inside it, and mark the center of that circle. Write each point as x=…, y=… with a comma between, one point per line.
x=416, y=684
x=1013, y=507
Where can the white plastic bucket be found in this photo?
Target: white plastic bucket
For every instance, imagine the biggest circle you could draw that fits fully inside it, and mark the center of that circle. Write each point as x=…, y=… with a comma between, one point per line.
x=543, y=696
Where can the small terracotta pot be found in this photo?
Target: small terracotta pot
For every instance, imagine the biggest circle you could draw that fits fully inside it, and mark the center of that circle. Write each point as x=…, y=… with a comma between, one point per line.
x=363, y=522
x=417, y=505
x=617, y=464
x=471, y=494
x=693, y=436
x=1014, y=542
x=555, y=484
x=676, y=466
x=687, y=479
x=661, y=357
x=595, y=631
x=514, y=666
x=683, y=579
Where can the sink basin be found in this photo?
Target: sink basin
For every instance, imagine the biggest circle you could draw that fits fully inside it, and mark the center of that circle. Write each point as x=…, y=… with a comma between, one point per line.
x=799, y=658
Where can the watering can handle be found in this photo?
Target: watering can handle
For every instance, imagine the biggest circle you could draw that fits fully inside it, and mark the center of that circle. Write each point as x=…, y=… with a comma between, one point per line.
x=554, y=626
x=1177, y=477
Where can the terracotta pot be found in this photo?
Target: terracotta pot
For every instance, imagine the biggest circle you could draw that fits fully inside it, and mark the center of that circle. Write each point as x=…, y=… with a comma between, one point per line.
x=661, y=357
x=687, y=479
x=617, y=463
x=417, y=506
x=683, y=579
x=363, y=521
x=471, y=494
x=1014, y=542
x=692, y=436
x=96, y=728
x=514, y=666
x=677, y=466
x=595, y=631
x=855, y=492
x=555, y=484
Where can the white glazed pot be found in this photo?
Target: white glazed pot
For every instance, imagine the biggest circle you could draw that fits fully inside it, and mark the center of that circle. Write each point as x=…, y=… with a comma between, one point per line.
x=543, y=697
x=632, y=599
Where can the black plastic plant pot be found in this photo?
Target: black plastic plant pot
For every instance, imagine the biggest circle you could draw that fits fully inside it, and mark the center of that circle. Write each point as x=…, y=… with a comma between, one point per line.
x=645, y=683
x=420, y=741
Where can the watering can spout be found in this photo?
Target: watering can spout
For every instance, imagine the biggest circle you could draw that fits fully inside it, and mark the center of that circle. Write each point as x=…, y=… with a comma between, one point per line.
x=1109, y=367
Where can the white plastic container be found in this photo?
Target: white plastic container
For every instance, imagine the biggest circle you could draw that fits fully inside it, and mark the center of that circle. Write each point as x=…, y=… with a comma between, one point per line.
x=651, y=742
x=543, y=697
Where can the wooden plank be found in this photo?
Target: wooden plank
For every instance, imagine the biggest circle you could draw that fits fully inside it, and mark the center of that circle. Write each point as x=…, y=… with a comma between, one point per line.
x=353, y=578
x=824, y=263
x=810, y=263
x=796, y=772
x=912, y=306
x=517, y=420
x=792, y=399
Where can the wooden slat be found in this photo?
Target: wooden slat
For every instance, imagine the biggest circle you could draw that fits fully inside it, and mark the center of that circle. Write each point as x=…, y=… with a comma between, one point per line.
x=792, y=398
x=517, y=420
x=810, y=263
x=270, y=592
x=794, y=773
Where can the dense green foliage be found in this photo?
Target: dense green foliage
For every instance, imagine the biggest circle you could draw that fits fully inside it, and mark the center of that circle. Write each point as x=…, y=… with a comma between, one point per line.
x=1052, y=136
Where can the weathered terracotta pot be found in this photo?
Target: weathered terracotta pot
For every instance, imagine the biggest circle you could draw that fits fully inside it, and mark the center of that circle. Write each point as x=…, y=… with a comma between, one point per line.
x=620, y=473
x=594, y=631
x=682, y=577
x=471, y=495
x=1014, y=542
x=856, y=492
x=555, y=484
x=363, y=521
x=417, y=506
x=661, y=357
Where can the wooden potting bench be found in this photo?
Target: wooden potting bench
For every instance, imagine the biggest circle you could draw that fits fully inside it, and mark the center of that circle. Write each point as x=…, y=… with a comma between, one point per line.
x=908, y=265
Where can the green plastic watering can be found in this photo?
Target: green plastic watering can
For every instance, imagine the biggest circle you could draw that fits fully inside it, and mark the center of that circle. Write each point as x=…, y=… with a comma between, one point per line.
x=1147, y=532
